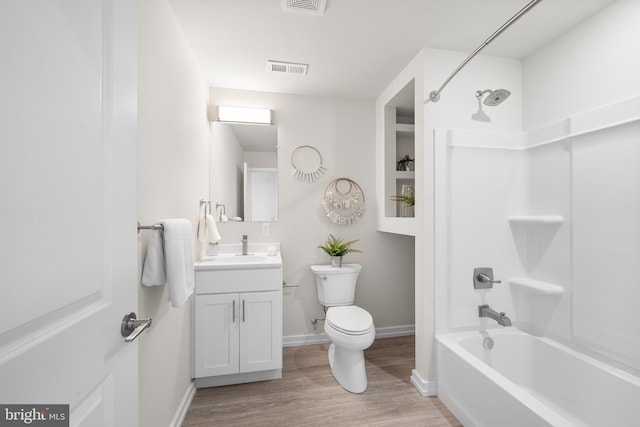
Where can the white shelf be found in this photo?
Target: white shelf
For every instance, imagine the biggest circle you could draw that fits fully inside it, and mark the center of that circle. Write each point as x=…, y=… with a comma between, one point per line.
x=405, y=129
x=405, y=175
x=536, y=287
x=398, y=225
x=536, y=219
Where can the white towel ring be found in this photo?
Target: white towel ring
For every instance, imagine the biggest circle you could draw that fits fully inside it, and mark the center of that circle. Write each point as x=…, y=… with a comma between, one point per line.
x=307, y=163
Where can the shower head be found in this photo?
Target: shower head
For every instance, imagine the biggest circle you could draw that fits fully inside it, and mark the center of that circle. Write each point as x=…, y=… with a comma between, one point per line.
x=495, y=97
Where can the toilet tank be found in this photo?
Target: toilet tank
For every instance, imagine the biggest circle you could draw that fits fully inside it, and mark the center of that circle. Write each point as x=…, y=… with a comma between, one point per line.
x=336, y=285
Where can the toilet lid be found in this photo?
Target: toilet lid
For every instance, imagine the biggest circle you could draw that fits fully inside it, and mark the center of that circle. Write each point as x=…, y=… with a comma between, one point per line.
x=349, y=319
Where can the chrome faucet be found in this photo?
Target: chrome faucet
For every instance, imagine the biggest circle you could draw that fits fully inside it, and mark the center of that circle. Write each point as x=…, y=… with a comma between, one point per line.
x=245, y=243
x=485, y=311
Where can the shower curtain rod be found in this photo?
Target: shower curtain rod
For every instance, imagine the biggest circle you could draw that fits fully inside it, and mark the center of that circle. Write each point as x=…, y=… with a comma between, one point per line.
x=434, y=96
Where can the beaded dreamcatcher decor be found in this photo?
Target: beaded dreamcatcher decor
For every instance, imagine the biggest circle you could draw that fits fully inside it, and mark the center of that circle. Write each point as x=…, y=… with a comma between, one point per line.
x=343, y=201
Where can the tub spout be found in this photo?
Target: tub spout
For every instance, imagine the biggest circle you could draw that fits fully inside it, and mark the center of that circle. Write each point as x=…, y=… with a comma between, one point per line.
x=486, y=311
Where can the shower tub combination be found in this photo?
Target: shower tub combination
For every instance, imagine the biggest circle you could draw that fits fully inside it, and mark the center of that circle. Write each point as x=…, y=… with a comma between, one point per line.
x=504, y=376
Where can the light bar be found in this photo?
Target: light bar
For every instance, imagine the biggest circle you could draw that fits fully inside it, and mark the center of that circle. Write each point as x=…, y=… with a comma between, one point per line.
x=244, y=115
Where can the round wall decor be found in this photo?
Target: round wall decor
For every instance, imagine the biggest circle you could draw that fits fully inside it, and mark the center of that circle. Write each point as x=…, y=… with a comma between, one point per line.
x=343, y=201
x=307, y=163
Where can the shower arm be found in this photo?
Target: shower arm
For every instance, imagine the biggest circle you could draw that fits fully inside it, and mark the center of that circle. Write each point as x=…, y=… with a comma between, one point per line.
x=481, y=93
x=434, y=96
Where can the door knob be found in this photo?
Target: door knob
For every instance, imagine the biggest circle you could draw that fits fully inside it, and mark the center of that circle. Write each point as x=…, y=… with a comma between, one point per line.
x=131, y=327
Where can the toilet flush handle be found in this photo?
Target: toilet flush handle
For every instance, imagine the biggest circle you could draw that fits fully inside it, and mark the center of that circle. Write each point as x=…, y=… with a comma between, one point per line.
x=324, y=277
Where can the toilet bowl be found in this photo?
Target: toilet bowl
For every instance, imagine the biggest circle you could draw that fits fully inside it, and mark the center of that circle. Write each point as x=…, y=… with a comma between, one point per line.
x=349, y=327
x=351, y=331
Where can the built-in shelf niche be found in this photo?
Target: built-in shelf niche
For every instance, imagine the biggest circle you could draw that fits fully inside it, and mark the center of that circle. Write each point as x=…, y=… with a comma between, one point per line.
x=399, y=142
x=534, y=232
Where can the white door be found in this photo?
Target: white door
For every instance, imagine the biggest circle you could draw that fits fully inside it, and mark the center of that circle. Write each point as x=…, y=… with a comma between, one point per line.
x=260, y=331
x=216, y=335
x=260, y=194
x=68, y=207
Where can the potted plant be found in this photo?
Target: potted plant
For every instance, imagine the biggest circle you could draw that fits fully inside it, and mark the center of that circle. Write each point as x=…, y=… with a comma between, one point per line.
x=336, y=247
x=408, y=202
x=405, y=163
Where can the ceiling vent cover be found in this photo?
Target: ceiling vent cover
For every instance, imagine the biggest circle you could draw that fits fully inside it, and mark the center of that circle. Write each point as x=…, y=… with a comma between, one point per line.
x=309, y=7
x=287, y=67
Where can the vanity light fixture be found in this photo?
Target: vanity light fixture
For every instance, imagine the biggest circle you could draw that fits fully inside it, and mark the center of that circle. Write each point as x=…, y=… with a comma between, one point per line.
x=260, y=116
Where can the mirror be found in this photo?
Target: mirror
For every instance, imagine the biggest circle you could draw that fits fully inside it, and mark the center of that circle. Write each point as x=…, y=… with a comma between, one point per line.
x=243, y=171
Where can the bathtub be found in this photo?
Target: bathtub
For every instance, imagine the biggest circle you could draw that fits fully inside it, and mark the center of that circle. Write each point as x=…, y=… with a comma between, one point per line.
x=526, y=380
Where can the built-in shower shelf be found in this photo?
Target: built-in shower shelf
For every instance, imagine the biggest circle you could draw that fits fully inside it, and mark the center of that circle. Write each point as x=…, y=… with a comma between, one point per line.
x=536, y=219
x=536, y=287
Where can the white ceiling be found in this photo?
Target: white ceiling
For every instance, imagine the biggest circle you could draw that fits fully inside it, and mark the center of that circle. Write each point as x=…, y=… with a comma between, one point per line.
x=358, y=46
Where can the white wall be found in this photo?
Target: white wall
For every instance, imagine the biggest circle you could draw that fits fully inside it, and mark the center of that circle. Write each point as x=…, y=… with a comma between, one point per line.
x=343, y=131
x=458, y=102
x=450, y=292
x=483, y=181
x=589, y=179
x=173, y=176
x=581, y=172
x=594, y=64
x=603, y=315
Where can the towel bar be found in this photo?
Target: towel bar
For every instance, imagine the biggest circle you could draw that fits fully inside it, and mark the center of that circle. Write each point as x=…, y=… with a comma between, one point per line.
x=150, y=227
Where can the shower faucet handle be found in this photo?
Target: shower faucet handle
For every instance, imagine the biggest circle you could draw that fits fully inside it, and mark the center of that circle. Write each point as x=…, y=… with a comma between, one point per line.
x=483, y=278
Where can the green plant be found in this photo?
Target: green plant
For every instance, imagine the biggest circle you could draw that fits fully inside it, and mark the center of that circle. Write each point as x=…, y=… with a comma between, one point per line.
x=336, y=246
x=404, y=163
x=409, y=200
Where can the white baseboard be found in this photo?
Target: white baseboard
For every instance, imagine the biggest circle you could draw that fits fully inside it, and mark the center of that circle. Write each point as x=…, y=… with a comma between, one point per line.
x=425, y=388
x=300, y=340
x=245, y=377
x=183, y=408
x=396, y=331
x=311, y=339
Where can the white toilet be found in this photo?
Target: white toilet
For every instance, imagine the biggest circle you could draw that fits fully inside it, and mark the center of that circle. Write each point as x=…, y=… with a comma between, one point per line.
x=349, y=327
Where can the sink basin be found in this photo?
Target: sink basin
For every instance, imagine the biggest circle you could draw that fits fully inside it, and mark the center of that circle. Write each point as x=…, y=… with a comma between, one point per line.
x=229, y=257
x=238, y=262
x=241, y=259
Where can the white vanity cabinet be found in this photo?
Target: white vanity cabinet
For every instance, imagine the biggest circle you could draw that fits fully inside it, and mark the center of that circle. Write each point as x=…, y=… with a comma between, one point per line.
x=238, y=324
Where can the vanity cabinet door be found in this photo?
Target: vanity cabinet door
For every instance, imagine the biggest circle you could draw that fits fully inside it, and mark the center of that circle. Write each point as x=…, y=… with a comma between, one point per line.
x=260, y=331
x=216, y=335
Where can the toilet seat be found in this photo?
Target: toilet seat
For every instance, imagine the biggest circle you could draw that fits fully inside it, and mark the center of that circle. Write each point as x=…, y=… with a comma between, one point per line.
x=350, y=320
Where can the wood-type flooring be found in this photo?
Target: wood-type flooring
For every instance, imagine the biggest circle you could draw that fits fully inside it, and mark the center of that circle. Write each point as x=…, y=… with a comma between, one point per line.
x=308, y=395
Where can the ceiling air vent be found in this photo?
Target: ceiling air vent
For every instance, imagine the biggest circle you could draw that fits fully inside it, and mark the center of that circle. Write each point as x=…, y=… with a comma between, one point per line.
x=287, y=67
x=309, y=7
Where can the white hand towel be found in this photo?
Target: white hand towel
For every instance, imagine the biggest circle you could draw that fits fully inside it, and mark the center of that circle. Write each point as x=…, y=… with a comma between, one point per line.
x=178, y=245
x=213, y=235
x=201, y=234
x=153, y=273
